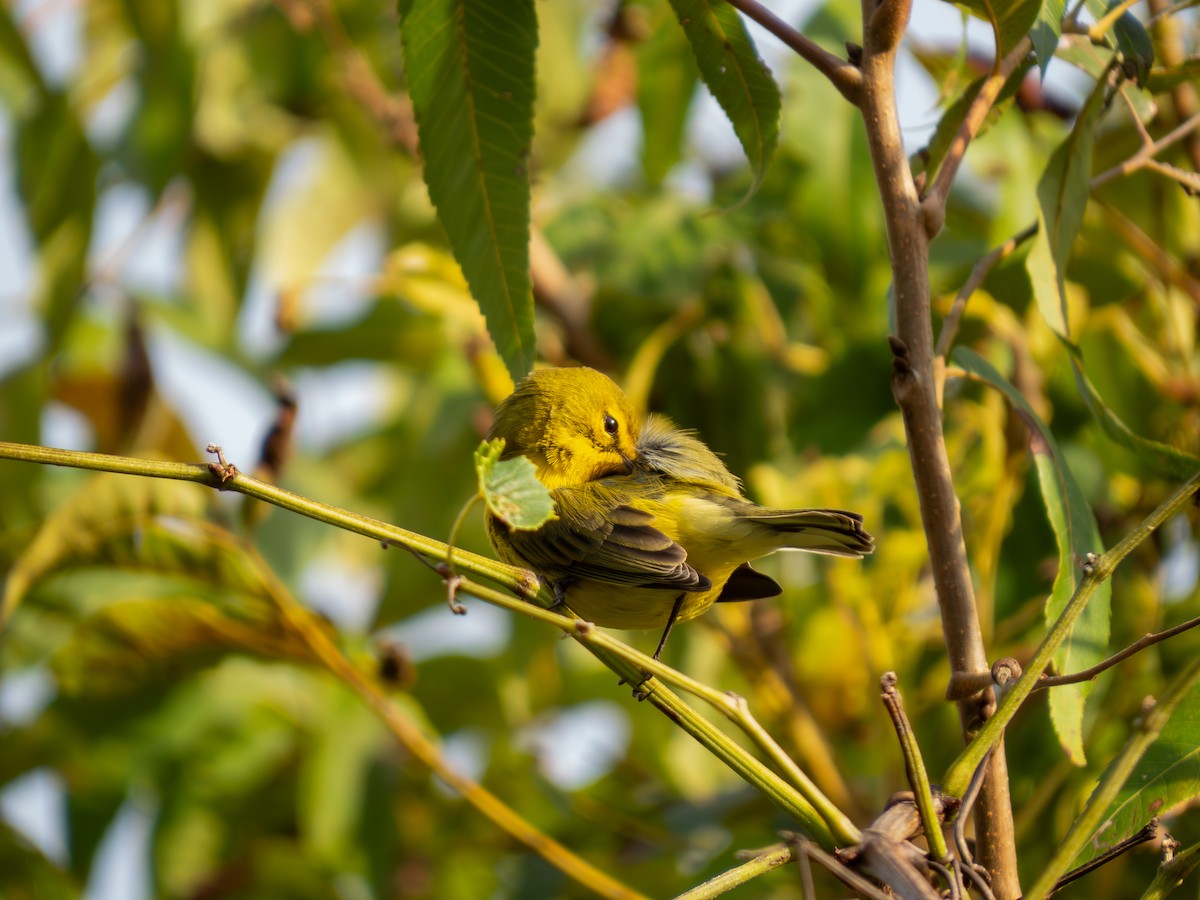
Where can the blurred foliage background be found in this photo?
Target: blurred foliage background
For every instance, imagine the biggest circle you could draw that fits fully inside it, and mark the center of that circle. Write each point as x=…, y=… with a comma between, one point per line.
x=217, y=205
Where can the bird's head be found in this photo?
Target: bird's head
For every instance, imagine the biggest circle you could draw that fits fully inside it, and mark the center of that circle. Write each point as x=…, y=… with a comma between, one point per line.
x=576, y=425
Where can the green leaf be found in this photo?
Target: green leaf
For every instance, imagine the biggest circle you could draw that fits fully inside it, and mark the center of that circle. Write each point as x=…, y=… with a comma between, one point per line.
x=1077, y=535
x=1168, y=460
x=470, y=67
x=1046, y=32
x=736, y=75
x=129, y=642
x=1062, y=197
x=1128, y=36
x=666, y=82
x=1011, y=20
x=511, y=488
x=1167, y=775
x=100, y=525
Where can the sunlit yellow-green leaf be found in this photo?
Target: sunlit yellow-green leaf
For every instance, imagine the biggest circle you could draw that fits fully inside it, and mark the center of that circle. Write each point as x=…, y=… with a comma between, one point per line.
x=511, y=488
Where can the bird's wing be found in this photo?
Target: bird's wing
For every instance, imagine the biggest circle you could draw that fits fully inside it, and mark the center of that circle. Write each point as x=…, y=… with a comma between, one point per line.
x=598, y=535
x=679, y=455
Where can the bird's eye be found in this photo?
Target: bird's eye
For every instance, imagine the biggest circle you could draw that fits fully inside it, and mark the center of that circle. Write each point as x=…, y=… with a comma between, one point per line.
x=610, y=424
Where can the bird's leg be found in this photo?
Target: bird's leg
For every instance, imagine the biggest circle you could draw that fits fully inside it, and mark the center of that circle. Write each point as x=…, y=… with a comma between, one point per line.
x=662, y=642
x=559, y=587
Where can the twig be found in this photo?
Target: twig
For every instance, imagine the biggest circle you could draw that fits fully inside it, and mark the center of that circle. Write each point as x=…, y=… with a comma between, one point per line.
x=224, y=476
x=1099, y=569
x=914, y=766
x=406, y=732
x=1143, y=158
x=1114, y=778
x=960, y=831
x=839, y=870
x=950, y=875
x=759, y=864
x=1171, y=49
x=1146, y=833
x=1175, y=867
x=827, y=824
x=979, y=274
x=844, y=76
x=934, y=202
x=1148, y=640
x=915, y=390
x=1148, y=151
x=1189, y=180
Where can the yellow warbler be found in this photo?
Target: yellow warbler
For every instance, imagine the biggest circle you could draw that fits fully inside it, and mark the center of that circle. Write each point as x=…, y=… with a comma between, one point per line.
x=651, y=527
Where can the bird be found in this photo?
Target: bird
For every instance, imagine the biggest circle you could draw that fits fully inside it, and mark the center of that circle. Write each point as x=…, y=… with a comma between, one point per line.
x=651, y=527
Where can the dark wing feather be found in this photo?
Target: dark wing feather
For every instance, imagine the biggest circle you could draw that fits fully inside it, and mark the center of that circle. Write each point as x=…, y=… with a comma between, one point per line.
x=598, y=536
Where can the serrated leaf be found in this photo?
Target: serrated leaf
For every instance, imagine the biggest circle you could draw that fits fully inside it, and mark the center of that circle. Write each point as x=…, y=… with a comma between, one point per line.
x=1011, y=20
x=100, y=524
x=470, y=67
x=666, y=81
x=1062, y=198
x=737, y=77
x=511, y=488
x=1167, y=775
x=1076, y=534
x=1046, y=32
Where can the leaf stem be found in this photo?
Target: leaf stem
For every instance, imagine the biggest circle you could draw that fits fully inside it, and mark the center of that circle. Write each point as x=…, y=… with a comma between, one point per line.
x=1096, y=572
x=1149, y=640
x=934, y=201
x=1097, y=810
x=794, y=792
x=760, y=864
x=424, y=751
x=844, y=76
x=1148, y=152
x=914, y=766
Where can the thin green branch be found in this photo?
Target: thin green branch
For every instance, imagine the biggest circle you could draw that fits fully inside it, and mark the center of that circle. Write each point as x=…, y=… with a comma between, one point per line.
x=760, y=864
x=801, y=799
x=1097, y=570
x=226, y=477
x=317, y=639
x=1115, y=776
x=914, y=766
x=796, y=794
x=1176, y=867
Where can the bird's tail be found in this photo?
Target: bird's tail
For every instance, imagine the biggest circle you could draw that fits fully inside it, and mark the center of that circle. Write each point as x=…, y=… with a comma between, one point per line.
x=834, y=532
